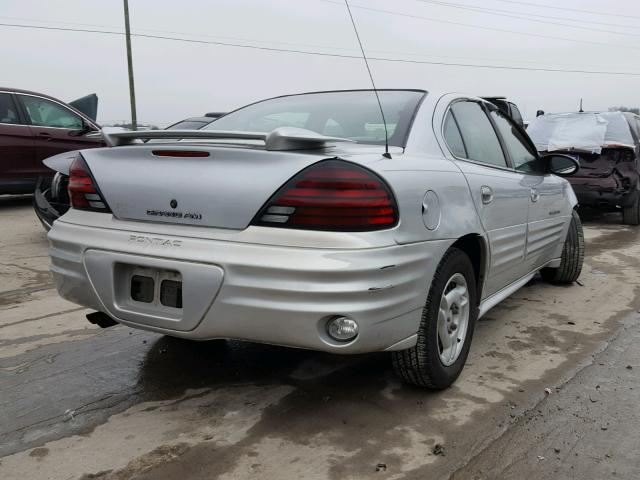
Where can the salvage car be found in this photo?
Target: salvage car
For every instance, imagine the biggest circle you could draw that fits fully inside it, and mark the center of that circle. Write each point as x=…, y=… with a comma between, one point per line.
x=195, y=123
x=309, y=221
x=607, y=147
x=34, y=126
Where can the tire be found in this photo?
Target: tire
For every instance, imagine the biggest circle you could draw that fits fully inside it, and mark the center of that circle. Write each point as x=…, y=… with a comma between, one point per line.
x=422, y=364
x=631, y=214
x=572, y=255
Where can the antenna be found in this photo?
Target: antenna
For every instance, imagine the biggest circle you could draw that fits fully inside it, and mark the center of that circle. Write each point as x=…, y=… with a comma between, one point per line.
x=375, y=90
x=581, y=110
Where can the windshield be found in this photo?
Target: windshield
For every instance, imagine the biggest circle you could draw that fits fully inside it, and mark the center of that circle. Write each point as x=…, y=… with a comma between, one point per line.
x=354, y=115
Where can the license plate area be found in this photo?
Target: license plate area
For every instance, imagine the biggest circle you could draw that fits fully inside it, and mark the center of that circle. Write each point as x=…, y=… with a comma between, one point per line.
x=110, y=274
x=151, y=287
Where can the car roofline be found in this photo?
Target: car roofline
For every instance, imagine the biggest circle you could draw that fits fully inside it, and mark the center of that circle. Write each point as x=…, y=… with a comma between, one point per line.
x=54, y=99
x=416, y=90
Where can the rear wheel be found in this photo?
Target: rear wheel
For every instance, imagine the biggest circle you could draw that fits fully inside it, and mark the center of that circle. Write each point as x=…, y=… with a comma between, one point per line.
x=446, y=329
x=572, y=255
x=631, y=214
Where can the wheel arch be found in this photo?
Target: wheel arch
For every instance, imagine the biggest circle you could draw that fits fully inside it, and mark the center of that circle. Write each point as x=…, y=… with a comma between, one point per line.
x=475, y=246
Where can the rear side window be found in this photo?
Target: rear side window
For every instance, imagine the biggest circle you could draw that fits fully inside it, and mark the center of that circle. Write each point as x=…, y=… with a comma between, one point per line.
x=453, y=138
x=523, y=157
x=8, y=110
x=480, y=139
x=45, y=113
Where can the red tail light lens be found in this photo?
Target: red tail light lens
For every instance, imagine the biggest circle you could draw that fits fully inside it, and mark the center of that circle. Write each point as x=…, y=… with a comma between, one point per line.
x=83, y=191
x=332, y=195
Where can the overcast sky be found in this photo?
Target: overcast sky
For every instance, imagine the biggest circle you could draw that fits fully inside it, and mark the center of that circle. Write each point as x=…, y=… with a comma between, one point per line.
x=177, y=79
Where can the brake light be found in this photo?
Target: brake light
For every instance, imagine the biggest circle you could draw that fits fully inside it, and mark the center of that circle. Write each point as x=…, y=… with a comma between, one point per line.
x=180, y=153
x=83, y=191
x=332, y=195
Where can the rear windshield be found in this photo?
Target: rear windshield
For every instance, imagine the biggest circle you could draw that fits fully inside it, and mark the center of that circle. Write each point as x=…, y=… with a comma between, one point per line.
x=354, y=115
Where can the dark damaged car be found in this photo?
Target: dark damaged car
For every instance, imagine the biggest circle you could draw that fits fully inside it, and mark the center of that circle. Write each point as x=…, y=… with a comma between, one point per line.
x=606, y=144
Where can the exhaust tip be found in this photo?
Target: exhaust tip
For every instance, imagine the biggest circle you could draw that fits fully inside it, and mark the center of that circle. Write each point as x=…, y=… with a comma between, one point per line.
x=101, y=319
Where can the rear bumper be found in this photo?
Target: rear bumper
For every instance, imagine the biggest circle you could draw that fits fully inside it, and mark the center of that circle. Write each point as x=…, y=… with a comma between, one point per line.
x=271, y=294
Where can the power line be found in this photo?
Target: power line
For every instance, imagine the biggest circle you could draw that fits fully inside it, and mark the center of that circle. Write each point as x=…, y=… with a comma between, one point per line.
x=333, y=55
x=138, y=29
x=522, y=17
x=482, y=27
x=329, y=47
x=553, y=17
x=591, y=12
x=253, y=40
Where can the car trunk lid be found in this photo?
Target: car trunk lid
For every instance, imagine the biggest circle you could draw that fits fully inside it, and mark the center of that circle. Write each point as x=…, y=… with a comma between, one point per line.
x=213, y=186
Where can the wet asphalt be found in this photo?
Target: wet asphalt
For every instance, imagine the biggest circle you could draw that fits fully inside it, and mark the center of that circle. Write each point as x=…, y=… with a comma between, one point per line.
x=77, y=401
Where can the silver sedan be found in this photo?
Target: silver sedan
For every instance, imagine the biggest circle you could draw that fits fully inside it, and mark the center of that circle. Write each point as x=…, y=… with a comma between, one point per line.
x=308, y=221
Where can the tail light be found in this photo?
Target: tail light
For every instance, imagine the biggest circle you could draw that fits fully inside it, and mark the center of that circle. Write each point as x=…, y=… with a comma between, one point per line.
x=332, y=195
x=83, y=190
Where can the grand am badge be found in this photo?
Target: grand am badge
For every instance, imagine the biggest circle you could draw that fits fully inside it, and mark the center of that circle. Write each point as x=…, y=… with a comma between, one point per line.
x=166, y=213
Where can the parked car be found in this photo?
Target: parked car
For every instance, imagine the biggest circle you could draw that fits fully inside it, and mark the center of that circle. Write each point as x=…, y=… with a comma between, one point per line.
x=507, y=107
x=289, y=222
x=34, y=126
x=51, y=199
x=195, y=123
x=607, y=146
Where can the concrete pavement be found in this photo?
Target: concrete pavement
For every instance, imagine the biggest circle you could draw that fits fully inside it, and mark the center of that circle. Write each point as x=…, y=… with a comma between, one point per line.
x=80, y=402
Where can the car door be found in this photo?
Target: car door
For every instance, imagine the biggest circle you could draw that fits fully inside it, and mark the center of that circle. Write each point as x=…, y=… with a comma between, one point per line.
x=16, y=144
x=56, y=129
x=501, y=199
x=549, y=207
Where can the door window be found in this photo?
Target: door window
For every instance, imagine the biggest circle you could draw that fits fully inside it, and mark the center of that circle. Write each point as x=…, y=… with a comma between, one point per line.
x=480, y=139
x=45, y=113
x=8, y=110
x=522, y=154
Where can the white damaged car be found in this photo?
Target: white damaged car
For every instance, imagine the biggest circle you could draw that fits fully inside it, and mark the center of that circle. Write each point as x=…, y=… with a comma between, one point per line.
x=290, y=222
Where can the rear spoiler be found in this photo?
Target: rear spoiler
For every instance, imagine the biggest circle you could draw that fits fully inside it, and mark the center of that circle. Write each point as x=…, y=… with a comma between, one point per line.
x=283, y=138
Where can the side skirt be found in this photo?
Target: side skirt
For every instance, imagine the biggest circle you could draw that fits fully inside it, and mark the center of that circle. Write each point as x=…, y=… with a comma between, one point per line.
x=490, y=302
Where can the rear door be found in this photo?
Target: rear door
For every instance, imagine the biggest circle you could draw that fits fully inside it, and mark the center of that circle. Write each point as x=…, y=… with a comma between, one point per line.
x=501, y=198
x=16, y=144
x=56, y=129
x=549, y=206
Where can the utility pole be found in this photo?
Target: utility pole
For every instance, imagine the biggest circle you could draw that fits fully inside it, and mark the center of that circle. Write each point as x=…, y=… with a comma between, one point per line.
x=132, y=90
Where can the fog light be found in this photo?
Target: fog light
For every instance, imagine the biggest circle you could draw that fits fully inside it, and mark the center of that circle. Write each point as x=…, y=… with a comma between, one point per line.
x=342, y=329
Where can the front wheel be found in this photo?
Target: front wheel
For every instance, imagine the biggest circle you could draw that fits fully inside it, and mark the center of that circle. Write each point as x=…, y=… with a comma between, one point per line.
x=446, y=329
x=572, y=255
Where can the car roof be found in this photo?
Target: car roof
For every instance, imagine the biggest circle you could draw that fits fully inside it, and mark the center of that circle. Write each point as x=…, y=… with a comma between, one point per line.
x=29, y=92
x=44, y=95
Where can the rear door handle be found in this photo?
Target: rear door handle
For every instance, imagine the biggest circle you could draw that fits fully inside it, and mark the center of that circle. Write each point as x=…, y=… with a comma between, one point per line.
x=535, y=195
x=487, y=194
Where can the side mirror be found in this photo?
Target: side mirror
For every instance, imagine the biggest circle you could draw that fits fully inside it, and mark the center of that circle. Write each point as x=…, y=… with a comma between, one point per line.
x=86, y=128
x=561, y=165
